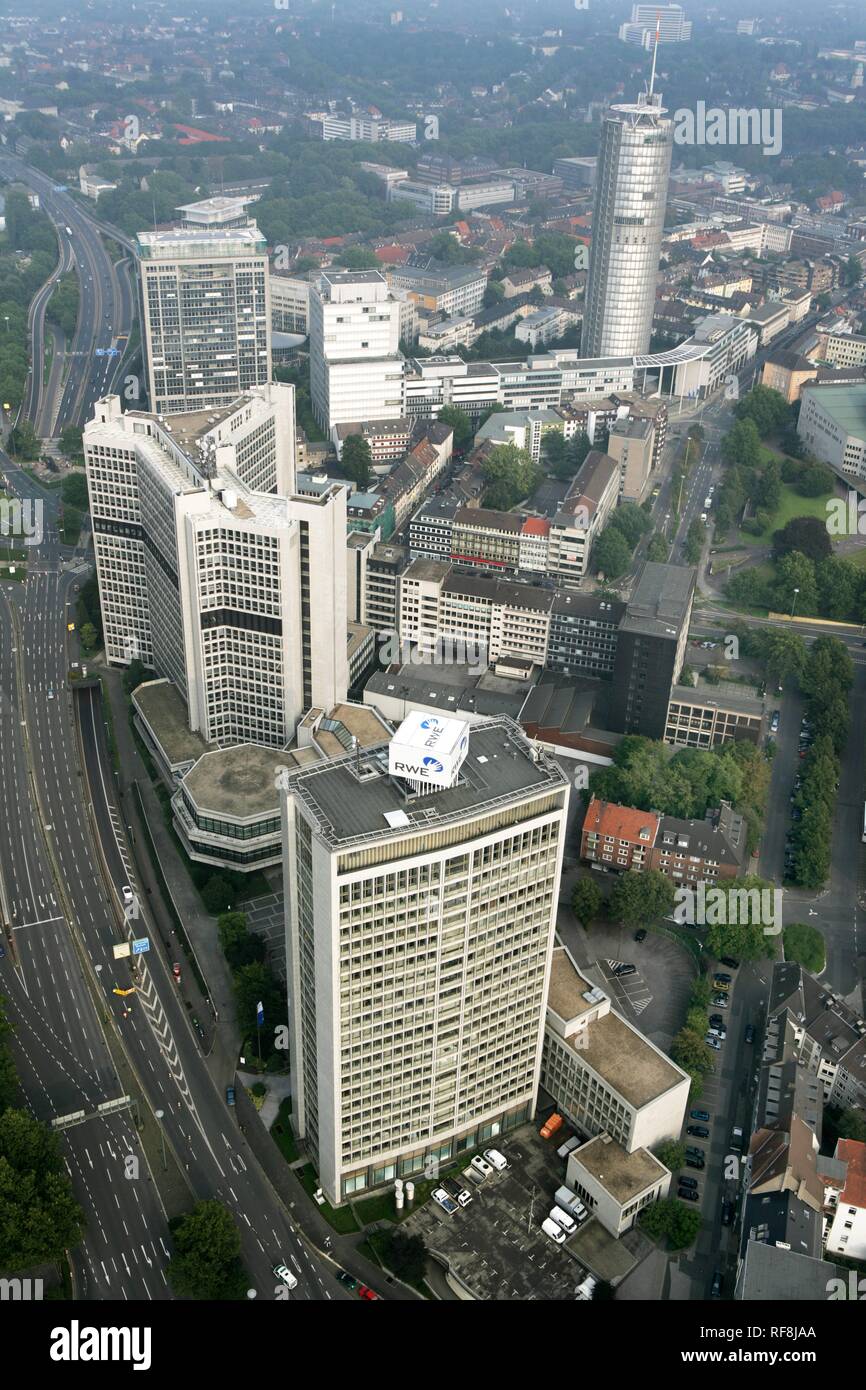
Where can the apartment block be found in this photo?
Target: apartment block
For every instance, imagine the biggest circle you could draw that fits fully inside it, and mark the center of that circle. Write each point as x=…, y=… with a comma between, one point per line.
x=290, y=304
x=453, y=289
x=829, y=1038
x=206, y=315
x=582, y=516
x=631, y=443
x=651, y=648
x=420, y=925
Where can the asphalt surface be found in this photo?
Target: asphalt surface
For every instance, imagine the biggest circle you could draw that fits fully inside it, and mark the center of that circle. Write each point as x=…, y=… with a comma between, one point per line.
x=54, y=883
x=106, y=309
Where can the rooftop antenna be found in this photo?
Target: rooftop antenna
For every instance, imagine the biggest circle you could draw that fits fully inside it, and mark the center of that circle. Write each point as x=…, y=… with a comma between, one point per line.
x=655, y=51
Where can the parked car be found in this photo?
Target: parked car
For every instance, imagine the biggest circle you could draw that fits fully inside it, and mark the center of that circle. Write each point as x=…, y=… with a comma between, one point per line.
x=2, y=950
x=698, y=1131
x=230, y=1095
x=481, y=1166
x=750, y=1033
x=727, y=1211
x=496, y=1160
x=716, y=1020
x=285, y=1276
x=687, y=1182
x=445, y=1202
x=716, y=1290
x=348, y=1279
x=553, y=1230
x=715, y=1043
x=718, y=1031
x=562, y=1218
x=625, y=969
x=641, y=934
x=722, y=983
x=720, y=1001
x=730, y=962
x=687, y=1194
x=692, y=1150
x=692, y=1161
x=367, y=1293
x=774, y=722
x=175, y=970
x=699, y=1115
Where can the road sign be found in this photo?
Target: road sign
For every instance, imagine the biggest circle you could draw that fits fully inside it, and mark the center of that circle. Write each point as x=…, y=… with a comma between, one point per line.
x=121, y=951
x=140, y=945
x=119, y=1103
x=99, y=352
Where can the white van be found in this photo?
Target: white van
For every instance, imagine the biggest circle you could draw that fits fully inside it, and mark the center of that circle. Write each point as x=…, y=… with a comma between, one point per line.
x=496, y=1160
x=562, y=1218
x=553, y=1230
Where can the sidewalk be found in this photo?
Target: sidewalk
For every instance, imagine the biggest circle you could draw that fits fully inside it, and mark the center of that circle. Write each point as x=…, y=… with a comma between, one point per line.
x=198, y=925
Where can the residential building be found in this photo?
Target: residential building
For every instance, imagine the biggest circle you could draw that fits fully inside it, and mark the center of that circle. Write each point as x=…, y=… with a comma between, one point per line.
x=787, y=372
x=212, y=570
x=631, y=443
x=583, y=634
x=356, y=368
x=206, y=316
x=618, y=836
x=695, y=851
x=839, y=349
x=769, y=319
x=651, y=648
x=420, y=926
x=846, y=1226
x=544, y=326
x=627, y=227
x=829, y=1038
x=582, y=516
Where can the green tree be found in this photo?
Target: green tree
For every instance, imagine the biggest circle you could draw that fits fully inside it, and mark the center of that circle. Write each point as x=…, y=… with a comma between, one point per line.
x=8, y=1075
x=611, y=555
x=240, y=946
x=796, y=571
x=742, y=931
x=255, y=984
x=658, y=549
x=39, y=1216
x=217, y=894
x=510, y=476
x=206, y=1264
x=23, y=442
x=808, y=534
x=404, y=1255
x=742, y=444
x=74, y=491
x=89, y=637
x=359, y=258
x=641, y=898
x=672, y=1153
x=695, y=538
x=586, y=901
x=632, y=521
x=460, y=423
x=356, y=460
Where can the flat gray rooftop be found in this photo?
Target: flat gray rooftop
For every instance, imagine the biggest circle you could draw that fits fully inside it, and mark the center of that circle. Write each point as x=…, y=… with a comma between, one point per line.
x=660, y=600
x=161, y=706
x=499, y=766
x=237, y=782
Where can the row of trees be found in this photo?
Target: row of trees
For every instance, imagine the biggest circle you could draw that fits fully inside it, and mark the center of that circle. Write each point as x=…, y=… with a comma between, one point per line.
x=254, y=983
x=613, y=550
x=39, y=1216
x=832, y=587
x=826, y=681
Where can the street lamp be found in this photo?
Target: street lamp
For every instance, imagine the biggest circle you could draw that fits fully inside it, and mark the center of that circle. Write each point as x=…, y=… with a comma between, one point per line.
x=159, y=1116
x=794, y=601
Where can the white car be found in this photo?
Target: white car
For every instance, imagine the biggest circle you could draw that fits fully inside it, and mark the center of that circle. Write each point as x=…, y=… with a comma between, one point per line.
x=285, y=1276
x=553, y=1230
x=718, y=1033
x=445, y=1202
x=127, y=894
x=480, y=1166
x=51, y=692
x=496, y=1159
x=713, y=1042
x=562, y=1218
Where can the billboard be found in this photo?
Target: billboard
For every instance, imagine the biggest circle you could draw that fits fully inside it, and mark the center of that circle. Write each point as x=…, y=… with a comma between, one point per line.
x=428, y=749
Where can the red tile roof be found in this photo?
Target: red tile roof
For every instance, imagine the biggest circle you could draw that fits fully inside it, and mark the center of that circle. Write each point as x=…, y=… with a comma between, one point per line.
x=623, y=822
x=392, y=255
x=535, y=526
x=853, y=1152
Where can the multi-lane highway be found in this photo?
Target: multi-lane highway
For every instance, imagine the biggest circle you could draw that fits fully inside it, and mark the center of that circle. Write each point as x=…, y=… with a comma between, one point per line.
x=106, y=309
x=65, y=912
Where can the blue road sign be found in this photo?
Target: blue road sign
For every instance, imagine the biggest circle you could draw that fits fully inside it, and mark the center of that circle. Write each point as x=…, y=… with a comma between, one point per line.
x=140, y=945
x=99, y=352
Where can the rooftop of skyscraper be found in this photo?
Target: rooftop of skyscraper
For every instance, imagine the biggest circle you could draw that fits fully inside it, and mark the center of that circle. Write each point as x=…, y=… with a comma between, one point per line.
x=500, y=766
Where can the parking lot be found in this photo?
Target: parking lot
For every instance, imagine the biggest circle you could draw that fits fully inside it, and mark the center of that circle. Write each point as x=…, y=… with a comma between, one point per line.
x=494, y=1248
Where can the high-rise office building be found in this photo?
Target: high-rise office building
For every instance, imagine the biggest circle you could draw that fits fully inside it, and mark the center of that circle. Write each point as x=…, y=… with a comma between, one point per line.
x=356, y=367
x=212, y=571
x=206, y=314
x=627, y=226
x=668, y=20
x=422, y=881
x=651, y=648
